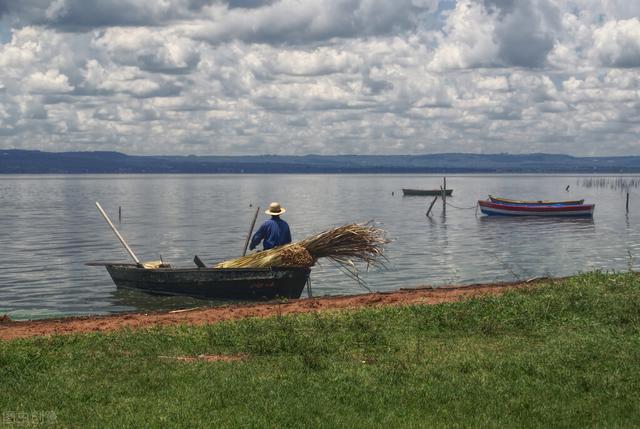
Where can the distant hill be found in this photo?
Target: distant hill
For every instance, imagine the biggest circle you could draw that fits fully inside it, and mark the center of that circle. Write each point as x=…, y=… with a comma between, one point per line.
x=36, y=162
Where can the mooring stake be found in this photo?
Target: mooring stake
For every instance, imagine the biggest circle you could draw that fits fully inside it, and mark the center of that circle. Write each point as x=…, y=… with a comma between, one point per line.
x=627, y=202
x=444, y=197
x=431, y=205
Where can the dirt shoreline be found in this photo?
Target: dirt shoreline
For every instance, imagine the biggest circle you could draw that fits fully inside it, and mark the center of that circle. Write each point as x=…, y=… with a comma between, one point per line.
x=10, y=330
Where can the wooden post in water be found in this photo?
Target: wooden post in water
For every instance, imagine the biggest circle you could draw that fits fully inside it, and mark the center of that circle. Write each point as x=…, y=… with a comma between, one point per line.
x=431, y=205
x=119, y=214
x=627, y=202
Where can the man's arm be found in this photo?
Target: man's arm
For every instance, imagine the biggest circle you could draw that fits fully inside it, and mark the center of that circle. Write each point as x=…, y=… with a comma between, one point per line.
x=258, y=236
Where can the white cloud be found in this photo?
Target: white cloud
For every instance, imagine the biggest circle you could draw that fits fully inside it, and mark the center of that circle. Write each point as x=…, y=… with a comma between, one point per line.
x=82, y=15
x=300, y=21
x=32, y=107
x=469, y=40
x=527, y=33
x=24, y=49
x=501, y=34
x=493, y=83
x=617, y=43
x=56, y=10
x=52, y=81
x=341, y=76
x=149, y=49
x=320, y=61
x=127, y=80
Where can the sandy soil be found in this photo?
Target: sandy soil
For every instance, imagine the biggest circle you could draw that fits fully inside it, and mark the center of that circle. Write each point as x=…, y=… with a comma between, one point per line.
x=204, y=315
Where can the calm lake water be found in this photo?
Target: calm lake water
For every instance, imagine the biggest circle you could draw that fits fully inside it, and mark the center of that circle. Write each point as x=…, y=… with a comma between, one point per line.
x=49, y=228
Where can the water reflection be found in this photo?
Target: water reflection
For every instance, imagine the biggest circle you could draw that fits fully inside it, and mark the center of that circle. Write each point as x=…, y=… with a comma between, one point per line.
x=528, y=221
x=130, y=300
x=49, y=228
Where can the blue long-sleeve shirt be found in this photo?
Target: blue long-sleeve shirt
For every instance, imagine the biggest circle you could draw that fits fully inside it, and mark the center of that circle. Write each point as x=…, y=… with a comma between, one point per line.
x=274, y=232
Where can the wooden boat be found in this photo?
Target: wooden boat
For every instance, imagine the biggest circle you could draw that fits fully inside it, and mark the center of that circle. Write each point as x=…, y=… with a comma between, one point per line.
x=212, y=283
x=501, y=200
x=491, y=208
x=425, y=192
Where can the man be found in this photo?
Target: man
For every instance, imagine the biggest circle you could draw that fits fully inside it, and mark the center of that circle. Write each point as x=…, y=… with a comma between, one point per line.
x=275, y=232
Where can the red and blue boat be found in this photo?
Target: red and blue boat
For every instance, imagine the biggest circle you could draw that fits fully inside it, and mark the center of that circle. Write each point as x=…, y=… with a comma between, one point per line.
x=502, y=200
x=503, y=209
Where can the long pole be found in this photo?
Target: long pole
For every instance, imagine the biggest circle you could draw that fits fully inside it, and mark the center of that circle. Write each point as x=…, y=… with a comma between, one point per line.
x=431, y=205
x=444, y=196
x=115, y=230
x=246, y=243
x=627, y=202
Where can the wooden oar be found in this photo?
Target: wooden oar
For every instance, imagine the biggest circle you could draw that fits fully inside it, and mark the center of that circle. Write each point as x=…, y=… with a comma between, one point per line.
x=246, y=243
x=115, y=230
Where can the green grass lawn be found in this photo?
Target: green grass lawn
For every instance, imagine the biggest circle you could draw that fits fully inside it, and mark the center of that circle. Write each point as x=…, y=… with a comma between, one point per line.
x=566, y=354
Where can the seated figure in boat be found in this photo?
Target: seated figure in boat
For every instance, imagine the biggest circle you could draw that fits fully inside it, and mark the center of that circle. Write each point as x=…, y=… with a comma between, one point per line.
x=273, y=232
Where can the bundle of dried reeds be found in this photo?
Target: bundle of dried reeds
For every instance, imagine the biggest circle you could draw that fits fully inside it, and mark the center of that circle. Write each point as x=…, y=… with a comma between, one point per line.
x=361, y=242
x=342, y=245
x=289, y=255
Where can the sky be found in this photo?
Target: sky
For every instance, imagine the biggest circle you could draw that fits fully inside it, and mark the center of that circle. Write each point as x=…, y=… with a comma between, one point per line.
x=295, y=77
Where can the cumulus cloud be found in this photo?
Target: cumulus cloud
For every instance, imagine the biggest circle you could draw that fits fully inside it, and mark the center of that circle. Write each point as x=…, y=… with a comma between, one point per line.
x=468, y=40
x=617, y=43
x=338, y=76
x=81, y=15
x=318, y=62
x=148, y=49
x=127, y=80
x=32, y=108
x=527, y=32
x=24, y=50
x=496, y=33
x=303, y=21
x=52, y=81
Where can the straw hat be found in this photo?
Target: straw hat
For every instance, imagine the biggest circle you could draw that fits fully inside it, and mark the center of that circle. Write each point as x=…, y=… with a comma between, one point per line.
x=275, y=209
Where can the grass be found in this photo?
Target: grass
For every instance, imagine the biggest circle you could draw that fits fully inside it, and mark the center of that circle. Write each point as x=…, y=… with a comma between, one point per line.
x=566, y=354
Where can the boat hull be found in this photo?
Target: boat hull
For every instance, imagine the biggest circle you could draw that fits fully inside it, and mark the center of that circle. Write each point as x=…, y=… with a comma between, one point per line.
x=425, y=192
x=500, y=200
x=213, y=283
x=496, y=209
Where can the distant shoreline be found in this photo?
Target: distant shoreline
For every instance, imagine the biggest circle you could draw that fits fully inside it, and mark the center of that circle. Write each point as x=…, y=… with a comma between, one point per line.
x=24, y=162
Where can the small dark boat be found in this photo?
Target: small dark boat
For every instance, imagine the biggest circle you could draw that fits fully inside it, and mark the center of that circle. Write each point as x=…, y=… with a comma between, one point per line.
x=501, y=200
x=425, y=192
x=212, y=283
